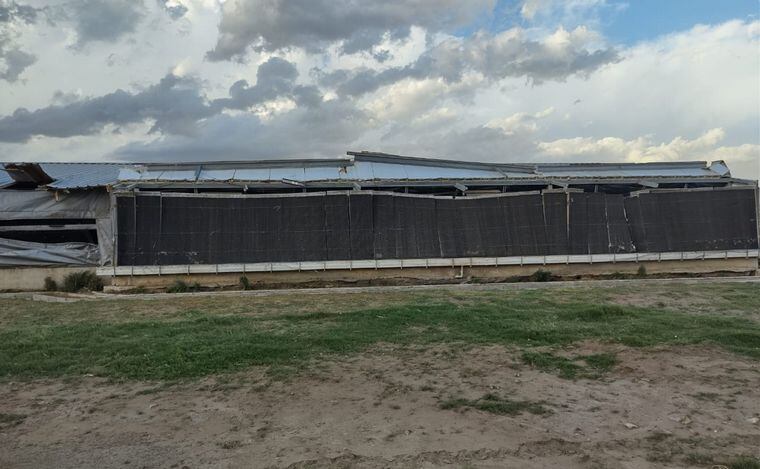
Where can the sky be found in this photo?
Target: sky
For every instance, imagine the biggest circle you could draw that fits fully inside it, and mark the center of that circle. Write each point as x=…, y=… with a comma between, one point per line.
x=480, y=80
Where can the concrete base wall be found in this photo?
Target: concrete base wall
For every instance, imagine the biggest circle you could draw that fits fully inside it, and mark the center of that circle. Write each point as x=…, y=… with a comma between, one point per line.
x=433, y=274
x=33, y=278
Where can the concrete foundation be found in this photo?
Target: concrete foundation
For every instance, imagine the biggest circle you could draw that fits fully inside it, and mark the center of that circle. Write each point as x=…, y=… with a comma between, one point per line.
x=33, y=278
x=433, y=274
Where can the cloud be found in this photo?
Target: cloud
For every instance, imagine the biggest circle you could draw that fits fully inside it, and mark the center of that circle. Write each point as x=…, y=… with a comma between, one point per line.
x=174, y=105
x=643, y=149
x=173, y=8
x=100, y=20
x=14, y=60
x=13, y=11
x=328, y=128
x=520, y=122
x=275, y=78
x=507, y=54
x=357, y=25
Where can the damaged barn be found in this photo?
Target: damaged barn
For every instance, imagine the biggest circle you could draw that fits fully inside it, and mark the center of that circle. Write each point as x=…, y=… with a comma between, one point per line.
x=373, y=216
x=54, y=219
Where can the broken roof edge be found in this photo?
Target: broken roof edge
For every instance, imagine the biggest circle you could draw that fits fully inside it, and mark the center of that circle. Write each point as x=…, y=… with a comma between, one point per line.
x=529, y=167
x=379, y=157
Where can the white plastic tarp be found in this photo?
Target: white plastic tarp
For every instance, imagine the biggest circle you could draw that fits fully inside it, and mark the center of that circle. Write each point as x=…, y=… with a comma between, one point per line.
x=17, y=204
x=17, y=253
x=42, y=204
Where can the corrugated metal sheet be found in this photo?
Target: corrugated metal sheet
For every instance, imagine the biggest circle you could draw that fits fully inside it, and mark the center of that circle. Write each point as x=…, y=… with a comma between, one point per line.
x=358, y=167
x=75, y=175
x=378, y=167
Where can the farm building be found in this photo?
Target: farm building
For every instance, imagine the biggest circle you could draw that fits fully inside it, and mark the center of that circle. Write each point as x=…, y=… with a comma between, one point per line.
x=374, y=216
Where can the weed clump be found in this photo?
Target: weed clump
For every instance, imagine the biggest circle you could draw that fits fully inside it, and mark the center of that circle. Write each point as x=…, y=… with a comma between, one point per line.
x=642, y=271
x=78, y=281
x=570, y=368
x=50, y=284
x=541, y=276
x=180, y=286
x=745, y=462
x=245, y=284
x=496, y=405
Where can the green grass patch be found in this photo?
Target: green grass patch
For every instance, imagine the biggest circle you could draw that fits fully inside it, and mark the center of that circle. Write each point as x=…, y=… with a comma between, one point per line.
x=744, y=463
x=219, y=335
x=496, y=404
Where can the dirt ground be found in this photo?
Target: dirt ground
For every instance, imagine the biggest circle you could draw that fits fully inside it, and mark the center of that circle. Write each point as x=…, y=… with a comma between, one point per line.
x=659, y=407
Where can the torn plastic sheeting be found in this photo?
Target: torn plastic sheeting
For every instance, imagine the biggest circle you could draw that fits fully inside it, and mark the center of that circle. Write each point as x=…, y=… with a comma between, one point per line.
x=16, y=205
x=25, y=253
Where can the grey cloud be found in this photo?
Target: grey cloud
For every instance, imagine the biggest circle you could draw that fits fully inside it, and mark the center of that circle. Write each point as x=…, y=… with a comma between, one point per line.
x=174, y=104
x=495, y=57
x=274, y=78
x=14, y=60
x=359, y=25
x=326, y=129
x=13, y=11
x=453, y=137
x=100, y=20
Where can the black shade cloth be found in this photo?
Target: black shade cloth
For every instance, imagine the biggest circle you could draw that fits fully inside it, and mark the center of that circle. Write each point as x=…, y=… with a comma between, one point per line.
x=165, y=229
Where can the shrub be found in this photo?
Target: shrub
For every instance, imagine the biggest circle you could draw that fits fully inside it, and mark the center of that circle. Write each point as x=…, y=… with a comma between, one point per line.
x=245, y=284
x=50, y=284
x=642, y=272
x=78, y=281
x=179, y=286
x=541, y=276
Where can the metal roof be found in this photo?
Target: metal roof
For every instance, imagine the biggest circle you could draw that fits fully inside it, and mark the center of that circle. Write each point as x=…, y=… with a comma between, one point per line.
x=365, y=166
x=74, y=175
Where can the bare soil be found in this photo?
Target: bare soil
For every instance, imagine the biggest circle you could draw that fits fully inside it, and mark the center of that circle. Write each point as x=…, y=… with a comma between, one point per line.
x=658, y=408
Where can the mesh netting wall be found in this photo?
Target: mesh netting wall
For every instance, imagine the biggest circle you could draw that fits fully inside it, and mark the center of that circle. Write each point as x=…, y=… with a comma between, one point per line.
x=164, y=230
x=693, y=220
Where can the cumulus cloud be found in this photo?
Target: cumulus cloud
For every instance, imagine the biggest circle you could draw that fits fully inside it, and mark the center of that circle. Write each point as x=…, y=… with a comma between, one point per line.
x=643, y=149
x=326, y=129
x=174, y=105
x=275, y=78
x=520, y=122
x=99, y=20
x=14, y=60
x=358, y=25
x=12, y=11
x=507, y=54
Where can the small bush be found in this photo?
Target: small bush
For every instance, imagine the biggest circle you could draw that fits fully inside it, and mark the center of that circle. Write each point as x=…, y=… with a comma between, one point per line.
x=245, y=284
x=78, y=281
x=50, y=284
x=642, y=272
x=541, y=276
x=180, y=286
